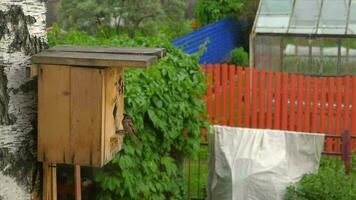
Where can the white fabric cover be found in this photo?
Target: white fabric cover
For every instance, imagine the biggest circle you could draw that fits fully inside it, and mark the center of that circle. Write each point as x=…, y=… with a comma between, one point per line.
x=259, y=164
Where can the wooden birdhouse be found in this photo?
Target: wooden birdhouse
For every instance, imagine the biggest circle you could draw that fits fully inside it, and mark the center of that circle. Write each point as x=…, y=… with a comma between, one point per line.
x=81, y=101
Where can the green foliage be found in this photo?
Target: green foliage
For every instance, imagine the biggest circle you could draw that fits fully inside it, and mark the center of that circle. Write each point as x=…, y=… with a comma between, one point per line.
x=250, y=8
x=329, y=184
x=173, y=29
x=165, y=101
x=196, y=173
x=239, y=57
x=134, y=17
x=209, y=11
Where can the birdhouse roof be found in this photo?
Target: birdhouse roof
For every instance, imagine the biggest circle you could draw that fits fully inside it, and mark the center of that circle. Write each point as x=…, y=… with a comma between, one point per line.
x=99, y=56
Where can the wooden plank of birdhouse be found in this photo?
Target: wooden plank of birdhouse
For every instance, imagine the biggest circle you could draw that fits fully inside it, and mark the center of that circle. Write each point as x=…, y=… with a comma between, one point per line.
x=85, y=117
x=54, y=113
x=93, y=59
x=113, y=93
x=159, y=52
x=32, y=71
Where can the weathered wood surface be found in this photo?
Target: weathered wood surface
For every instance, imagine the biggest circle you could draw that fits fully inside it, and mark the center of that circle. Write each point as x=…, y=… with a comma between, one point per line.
x=77, y=113
x=22, y=34
x=86, y=115
x=114, y=102
x=159, y=52
x=49, y=181
x=54, y=111
x=93, y=59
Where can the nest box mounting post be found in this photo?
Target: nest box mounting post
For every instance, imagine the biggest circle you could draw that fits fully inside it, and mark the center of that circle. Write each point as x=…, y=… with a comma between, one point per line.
x=81, y=104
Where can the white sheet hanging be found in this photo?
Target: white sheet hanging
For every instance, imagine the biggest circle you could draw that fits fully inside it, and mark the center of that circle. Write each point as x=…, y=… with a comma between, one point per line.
x=259, y=164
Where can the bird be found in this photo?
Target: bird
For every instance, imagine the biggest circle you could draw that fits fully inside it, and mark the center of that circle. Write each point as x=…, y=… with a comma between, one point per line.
x=129, y=129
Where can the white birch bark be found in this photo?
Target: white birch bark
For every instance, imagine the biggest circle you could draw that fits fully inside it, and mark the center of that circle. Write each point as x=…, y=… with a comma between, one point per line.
x=22, y=34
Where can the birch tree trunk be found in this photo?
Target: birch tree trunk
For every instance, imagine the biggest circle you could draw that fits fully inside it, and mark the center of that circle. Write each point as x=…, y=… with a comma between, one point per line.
x=22, y=34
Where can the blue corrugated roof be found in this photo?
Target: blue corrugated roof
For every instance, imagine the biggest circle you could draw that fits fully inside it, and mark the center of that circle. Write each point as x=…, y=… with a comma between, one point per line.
x=223, y=37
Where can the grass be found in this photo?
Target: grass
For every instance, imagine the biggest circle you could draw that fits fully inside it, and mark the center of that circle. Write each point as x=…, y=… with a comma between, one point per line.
x=196, y=174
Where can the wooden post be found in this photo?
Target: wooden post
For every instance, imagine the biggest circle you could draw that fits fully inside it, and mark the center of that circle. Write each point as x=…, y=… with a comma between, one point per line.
x=346, y=151
x=78, y=183
x=49, y=181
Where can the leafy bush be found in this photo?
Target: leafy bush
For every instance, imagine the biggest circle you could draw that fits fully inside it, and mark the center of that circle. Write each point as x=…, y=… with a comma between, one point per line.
x=329, y=184
x=165, y=101
x=239, y=57
x=209, y=11
x=129, y=17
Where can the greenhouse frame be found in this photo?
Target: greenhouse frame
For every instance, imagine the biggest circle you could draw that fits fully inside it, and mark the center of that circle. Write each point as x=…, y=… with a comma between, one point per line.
x=315, y=37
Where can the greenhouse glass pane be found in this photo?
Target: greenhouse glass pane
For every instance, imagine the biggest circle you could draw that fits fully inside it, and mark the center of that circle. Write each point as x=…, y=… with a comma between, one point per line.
x=272, y=24
x=276, y=7
x=274, y=16
x=349, y=57
x=333, y=17
x=305, y=16
x=352, y=20
x=268, y=52
x=317, y=56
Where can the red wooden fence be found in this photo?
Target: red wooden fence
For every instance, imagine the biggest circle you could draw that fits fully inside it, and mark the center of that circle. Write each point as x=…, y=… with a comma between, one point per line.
x=247, y=97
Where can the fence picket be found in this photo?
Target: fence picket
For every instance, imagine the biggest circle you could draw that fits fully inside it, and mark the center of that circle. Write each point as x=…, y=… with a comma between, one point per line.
x=339, y=90
x=261, y=118
x=300, y=103
x=277, y=102
x=323, y=105
x=307, y=104
x=292, y=102
x=232, y=94
x=323, y=123
x=353, y=119
x=331, y=129
x=284, y=102
x=315, y=105
x=254, y=98
x=239, y=96
x=217, y=94
x=247, y=98
x=210, y=92
x=269, y=99
x=224, y=93
x=346, y=106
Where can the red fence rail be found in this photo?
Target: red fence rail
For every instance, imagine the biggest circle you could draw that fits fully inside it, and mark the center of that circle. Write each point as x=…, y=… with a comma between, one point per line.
x=248, y=97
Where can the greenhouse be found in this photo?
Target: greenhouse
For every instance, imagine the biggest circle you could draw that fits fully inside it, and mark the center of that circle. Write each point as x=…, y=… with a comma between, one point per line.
x=316, y=37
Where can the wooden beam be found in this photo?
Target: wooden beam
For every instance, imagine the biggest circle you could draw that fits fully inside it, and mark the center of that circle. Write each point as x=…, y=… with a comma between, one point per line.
x=32, y=71
x=49, y=181
x=78, y=182
x=159, y=52
x=346, y=151
x=93, y=59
